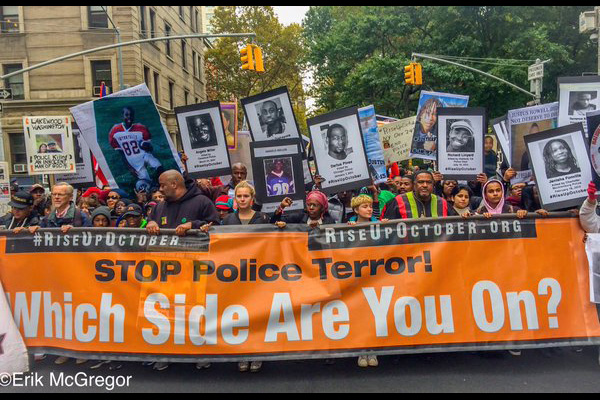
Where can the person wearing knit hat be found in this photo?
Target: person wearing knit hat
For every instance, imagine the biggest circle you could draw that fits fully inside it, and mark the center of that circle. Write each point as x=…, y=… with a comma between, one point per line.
x=314, y=215
x=224, y=206
x=101, y=218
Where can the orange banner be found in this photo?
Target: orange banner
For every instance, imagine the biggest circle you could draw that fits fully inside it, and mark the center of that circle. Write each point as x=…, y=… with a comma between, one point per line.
x=408, y=287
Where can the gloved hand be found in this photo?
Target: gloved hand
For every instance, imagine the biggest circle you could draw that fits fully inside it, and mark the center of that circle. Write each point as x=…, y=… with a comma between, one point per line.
x=146, y=146
x=592, y=192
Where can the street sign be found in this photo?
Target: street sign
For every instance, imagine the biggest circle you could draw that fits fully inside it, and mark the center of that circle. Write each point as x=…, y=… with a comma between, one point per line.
x=536, y=71
x=5, y=94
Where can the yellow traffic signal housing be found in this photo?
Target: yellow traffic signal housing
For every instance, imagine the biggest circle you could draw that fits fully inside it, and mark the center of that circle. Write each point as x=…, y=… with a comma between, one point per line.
x=409, y=74
x=418, y=68
x=258, y=59
x=247, y=58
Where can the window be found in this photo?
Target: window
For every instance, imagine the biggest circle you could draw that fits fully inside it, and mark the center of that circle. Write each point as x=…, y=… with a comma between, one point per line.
x=196, y=19
x=143, y=27
x=181, y=12
x=184, y=54
x=171, y=95
x=147, y=76
x=168, y=42
x=97, y=17
x=18, y=154
x=15, y=83
x=9, y=19
x=152, y=23
x=194, y=64
x=156, y=88
x=186, y=97
x=101, y=72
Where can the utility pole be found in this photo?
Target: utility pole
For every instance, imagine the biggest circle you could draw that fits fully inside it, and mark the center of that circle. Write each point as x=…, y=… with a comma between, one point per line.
x=119, y=53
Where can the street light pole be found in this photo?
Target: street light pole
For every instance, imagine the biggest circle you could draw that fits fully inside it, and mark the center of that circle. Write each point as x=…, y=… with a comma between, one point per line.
x=119, y=53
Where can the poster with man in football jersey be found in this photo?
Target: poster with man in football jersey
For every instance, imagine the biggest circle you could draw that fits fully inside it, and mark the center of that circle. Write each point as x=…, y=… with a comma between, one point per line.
x=126, y=135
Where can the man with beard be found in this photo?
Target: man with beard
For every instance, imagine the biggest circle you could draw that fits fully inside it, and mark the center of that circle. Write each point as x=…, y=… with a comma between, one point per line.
x=420, y=203
x=271, y=120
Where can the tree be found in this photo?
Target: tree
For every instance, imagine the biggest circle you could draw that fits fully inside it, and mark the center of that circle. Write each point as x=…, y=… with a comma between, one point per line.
x=282, y=52
x=358, y=53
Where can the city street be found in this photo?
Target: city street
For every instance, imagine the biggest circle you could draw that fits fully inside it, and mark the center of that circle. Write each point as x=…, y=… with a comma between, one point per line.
x=534, y=371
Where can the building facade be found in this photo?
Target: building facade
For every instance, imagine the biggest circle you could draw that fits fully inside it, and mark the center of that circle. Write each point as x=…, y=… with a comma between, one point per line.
x=173, y=70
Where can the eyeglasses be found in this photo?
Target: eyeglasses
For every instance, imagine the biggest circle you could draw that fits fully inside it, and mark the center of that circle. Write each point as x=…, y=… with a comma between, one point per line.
x=114, y=198
x=59, y=195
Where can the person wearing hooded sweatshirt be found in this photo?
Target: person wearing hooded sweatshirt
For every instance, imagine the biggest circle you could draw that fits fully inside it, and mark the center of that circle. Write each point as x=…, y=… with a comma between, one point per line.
x=184, y=208
x=494, y=202
x=100, y=218
x=589, y=220
x=315, y=214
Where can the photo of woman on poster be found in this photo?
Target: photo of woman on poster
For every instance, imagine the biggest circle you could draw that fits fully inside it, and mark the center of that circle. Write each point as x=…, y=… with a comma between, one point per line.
x=559, y=159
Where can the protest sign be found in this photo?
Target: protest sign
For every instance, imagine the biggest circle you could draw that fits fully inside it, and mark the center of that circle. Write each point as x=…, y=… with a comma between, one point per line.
x=424, y=142
x=460, y=133
x=254, y=292
x=561, y=166
x=499, y=127
x=13, y=353
x=4, y=188
x=49, y=145
x=396, y=138
x=204, y=139
x=593, y=135
x=577, y=96
x=242, y=153
x=592, y=249
x=128, y=139
x=230, y=123
x=270, y=116
x=527, y=121
x=339, y=150
x=368, y=125
x=278, y=173
x=84, y=175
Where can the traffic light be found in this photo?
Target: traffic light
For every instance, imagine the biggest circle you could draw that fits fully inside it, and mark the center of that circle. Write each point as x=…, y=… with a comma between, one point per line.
x=246, y=57
x=413, y=74
x=409, y=74
x=258, y=59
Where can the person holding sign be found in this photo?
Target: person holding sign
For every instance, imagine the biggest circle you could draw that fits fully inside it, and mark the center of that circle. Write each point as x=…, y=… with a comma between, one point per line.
x=589, y=220
x=315, y=214
x=494, y=203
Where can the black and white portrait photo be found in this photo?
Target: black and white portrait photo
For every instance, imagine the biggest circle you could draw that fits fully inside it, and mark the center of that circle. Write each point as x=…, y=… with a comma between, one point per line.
x=270, y=116
x=203, y=139
x=561, y=165
x=559, y=158
x=339, y=150
x=462, y=132
x=580, y=103
x=202, y=131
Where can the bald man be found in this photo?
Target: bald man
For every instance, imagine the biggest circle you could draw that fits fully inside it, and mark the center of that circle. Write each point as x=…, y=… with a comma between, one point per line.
x=184, y=208
x=270, y=119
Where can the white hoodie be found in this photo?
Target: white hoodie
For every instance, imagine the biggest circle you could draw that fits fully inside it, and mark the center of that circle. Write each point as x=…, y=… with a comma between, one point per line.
x=589, y=220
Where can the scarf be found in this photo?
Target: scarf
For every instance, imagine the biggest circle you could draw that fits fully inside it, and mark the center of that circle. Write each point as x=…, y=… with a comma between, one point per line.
x=321, y=199
x=500, y=205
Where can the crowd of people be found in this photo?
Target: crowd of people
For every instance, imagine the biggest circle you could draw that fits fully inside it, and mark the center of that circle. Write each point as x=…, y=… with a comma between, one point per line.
x=184, y=204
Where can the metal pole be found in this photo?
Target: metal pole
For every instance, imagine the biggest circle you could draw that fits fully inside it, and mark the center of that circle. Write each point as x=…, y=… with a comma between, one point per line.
x=118, y=45
x=120, y=54
x=425, y=56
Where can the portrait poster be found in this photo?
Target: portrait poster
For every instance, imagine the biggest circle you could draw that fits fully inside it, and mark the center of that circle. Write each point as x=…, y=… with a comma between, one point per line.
x=84, y=175
x=204, y=140
x=461, y=133
x=49, y=145
x=242, y=155
x=126, y=135
x=229, y=112
x=592, y=249
x=527, y=121
x=4, y=188
x=278, y=173
x=424, y=142
x=577, y=95
x=339, y=151
x=499, y=128
x=561, y=166
x=368, y=125
x=593, y=135
x=396, y=138
x=270, y=116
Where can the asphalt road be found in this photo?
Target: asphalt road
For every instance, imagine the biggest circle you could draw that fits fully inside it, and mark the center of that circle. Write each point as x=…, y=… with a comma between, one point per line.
x=533, y=371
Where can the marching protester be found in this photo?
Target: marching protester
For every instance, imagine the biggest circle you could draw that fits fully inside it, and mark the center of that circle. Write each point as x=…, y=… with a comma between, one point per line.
x=134, y=217
x=39, y=199
x=461, y=201
x=420, y=203
x=224, y=206
x=100, y=218
x=65, y=214
x=340, y=206
x=589, y=220
x=494, y=202
x=244, y=197
x=315, y=214
x=184, y=207
x=21, y=214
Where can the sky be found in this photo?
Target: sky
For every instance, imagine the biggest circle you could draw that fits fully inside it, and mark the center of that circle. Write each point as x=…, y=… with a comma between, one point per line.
x=290, y=14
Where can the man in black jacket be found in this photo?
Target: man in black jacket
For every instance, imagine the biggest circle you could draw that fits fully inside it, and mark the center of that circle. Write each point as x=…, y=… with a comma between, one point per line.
x=21, y=215
x=184, y=208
